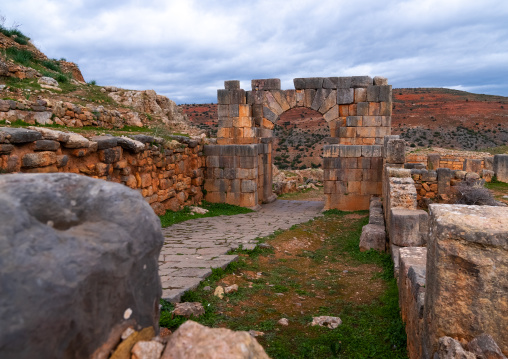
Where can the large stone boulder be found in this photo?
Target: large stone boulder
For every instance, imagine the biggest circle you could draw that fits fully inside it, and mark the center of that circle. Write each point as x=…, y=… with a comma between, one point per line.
x=193, y=340
x=467, y=275
x=78, y=259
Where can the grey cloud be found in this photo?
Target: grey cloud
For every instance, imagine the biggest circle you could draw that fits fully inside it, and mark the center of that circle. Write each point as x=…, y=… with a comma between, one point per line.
x=425, y=43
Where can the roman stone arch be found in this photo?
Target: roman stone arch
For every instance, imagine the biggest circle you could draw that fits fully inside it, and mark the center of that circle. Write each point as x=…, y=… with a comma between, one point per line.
x=357, y=110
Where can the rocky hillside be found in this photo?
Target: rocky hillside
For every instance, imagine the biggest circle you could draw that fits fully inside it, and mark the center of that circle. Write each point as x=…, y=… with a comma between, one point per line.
x=424, y=117
x=450, y=118
x=37, y=90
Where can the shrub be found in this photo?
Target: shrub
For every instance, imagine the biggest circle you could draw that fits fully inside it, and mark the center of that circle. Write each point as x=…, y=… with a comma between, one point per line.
x=52, y=65
x=21, y=40
x=472, y=192
x=21, y=56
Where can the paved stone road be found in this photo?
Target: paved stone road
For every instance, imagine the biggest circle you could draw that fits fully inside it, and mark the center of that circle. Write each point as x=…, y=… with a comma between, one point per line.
x=191, y=248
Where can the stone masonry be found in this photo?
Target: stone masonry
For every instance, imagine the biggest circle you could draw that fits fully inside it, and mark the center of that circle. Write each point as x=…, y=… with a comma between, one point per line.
x=467, y=272
x=168, y=174
x=358, y=112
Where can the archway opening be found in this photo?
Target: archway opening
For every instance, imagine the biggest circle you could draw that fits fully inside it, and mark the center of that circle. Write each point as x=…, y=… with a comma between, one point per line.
x=299, y=137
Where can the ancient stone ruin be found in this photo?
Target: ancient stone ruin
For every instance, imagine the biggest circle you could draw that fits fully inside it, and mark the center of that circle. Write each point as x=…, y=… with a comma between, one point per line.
x=450, y=260
x=358, y=112
x=451, y=263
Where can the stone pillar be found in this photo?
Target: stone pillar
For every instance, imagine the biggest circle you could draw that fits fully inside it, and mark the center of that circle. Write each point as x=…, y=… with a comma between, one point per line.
x=444, y=177
x=501, y=167
x=232, y=174
x=467, y=275
x=433, y=160
x=352, y=175
x=236, y=125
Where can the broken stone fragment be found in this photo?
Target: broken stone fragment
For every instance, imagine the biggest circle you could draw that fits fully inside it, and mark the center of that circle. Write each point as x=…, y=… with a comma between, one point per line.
x=188, y=309
x=199, y=210
x=449, y=348
x=231, y=289
x=219, y=292
x=193, y=340
x=255, y=333
x=484, y=346
x=283, y=321
x=147, y=350
x=326, y=321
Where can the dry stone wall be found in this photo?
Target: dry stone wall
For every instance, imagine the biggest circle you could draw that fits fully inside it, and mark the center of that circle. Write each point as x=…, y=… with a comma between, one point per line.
x=169, y=175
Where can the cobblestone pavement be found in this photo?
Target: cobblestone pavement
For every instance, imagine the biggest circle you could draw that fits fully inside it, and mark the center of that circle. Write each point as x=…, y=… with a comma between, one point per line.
x=193, y=247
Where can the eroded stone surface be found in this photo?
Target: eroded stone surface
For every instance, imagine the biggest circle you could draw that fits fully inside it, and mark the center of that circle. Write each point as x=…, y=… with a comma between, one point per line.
x=79, y=251
x=193, y=340
x=468, y=264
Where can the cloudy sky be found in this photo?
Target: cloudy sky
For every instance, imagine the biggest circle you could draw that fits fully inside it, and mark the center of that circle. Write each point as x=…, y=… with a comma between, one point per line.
x=186, y=49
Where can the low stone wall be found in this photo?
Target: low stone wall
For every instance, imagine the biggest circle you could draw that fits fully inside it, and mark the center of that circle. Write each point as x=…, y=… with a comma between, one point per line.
x=469, y=163
x=169, y=175
x=450, y=263
x=440, y=184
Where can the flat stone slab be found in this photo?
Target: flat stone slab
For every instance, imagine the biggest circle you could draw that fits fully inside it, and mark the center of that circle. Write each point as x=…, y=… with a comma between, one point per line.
x=193, y=247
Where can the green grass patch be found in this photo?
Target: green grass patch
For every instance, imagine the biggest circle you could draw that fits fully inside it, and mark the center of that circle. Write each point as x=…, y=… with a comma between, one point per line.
x=497, y=185
x=370, y=329
x=214, y=209
x=20, y=56
x=51, y=65
x=499, y=150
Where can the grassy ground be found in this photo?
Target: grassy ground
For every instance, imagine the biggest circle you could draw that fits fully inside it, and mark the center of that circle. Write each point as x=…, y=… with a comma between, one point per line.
x=214, y=210
x=310, y=270
x=496, y=150
x=499, y=190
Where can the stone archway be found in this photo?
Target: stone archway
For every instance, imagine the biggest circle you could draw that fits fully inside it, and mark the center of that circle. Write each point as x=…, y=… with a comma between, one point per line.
x=357, y=110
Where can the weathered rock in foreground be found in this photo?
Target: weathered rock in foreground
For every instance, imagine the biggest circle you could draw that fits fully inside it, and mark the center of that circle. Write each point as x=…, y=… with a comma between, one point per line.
x=79, y=265
x=467, y=275
x=193, y=340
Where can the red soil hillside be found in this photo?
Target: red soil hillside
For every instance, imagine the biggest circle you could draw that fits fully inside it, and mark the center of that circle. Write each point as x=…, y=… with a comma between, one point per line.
x=423, y=116
x=450, y=118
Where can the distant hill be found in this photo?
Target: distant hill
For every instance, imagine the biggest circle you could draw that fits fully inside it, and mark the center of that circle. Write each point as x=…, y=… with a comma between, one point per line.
x=424, y=117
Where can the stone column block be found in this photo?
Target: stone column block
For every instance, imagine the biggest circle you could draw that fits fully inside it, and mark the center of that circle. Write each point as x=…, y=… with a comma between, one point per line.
x=501, y=167
x=380, y=81
x=467, y=275
x=433, y=161
x=265, y=84
x=373, y=237
x=472, y=165
x=232, y=85
x=408, y=228
x=444, y=176
x=395, y=151
x=488, y=163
